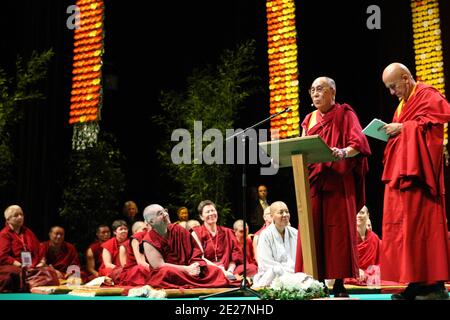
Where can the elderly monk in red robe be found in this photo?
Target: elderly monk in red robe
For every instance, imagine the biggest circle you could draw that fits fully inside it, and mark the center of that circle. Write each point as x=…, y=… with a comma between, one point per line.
x=415, y=244
x=337, y=188
x=169, y=250
x=94, y=252
x=19, y=247
x=218, y=245
x=58, y=253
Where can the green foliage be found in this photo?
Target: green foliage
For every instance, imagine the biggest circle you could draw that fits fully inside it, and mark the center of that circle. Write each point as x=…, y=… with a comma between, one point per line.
x=214, y=95
x=13, y=91
x=92, y=189
x=312, y=292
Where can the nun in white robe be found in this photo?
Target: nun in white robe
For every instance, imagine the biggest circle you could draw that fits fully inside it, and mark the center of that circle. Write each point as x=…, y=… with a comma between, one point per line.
x=276, y=255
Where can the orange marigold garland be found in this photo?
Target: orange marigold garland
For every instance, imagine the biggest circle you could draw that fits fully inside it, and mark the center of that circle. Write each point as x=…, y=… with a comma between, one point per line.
x=283, y=71
x=86, y=100
x=428, y=49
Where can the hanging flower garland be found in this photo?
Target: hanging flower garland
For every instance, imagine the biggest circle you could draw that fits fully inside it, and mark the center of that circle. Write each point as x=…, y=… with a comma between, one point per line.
x=283, y=71
x=428, y=49
x=86, y=92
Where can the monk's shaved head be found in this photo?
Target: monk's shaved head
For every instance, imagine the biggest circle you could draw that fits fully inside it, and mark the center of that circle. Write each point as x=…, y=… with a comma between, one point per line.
x=395, y=71
x=398, y=79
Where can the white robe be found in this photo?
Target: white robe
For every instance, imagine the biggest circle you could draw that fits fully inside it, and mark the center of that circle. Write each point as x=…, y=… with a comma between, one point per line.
x=275, y=256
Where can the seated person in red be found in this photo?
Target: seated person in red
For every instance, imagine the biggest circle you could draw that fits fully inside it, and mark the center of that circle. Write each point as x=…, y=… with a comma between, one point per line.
x=368, y=248
x=57, y=253
x=217, y=244
x=252, y=267
x=19, y=247
x=111, y=265
x=267, y=216
x=94, y=252
x=169, y=249
x=191, y=224
x=136, y=270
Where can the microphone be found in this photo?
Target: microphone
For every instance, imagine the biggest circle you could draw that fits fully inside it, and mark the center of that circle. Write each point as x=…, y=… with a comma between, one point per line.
x=312, y=104
x=287, y=109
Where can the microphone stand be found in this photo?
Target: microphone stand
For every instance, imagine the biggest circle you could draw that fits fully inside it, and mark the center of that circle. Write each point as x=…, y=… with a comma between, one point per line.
x=243, y=287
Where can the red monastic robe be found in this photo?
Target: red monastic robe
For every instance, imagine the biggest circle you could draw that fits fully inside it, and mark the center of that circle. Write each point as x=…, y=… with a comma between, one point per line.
x=97, y=250
x=368, y=250
x=66, y=256
x=178, y=249
x=12, y=244
x=112, y=245
x=252, y=266
x=415, y=244
x=133, y=274
x=220, y=249
x=337, y=193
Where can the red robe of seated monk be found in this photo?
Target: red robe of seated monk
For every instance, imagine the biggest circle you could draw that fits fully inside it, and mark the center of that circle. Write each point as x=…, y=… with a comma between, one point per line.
x=368, y=250
x=178, y=249
x=133, y=274
x=12, y=244
x=221, y=249
x=252, y=266
x=112, y=245
x=60, y=259
x=97, y=250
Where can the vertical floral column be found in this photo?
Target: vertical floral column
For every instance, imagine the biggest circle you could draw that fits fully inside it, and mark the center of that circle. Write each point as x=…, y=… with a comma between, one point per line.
x=283, y=71
x=428, y=48
x=86, y=92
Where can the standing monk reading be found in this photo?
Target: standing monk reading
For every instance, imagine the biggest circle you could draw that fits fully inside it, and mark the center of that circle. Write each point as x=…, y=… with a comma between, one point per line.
x=337, y=188
x=415, y=244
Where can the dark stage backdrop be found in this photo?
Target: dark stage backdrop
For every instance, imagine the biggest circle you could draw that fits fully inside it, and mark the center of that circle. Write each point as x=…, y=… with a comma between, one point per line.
x=153, y=46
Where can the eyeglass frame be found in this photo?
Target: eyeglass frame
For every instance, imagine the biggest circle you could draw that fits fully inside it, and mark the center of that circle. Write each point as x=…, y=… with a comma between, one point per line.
x=313, y=90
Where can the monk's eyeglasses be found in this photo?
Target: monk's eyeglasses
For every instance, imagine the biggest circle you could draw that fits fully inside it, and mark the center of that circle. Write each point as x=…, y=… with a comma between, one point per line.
x=318, y=89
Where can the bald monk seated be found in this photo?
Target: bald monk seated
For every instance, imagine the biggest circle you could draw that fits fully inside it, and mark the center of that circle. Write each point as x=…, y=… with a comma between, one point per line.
x=277, y=246
x=168, y=249
x=58, y=253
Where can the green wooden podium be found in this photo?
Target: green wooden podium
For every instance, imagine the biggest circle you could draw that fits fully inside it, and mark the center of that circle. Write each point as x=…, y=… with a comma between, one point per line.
x=298, y=153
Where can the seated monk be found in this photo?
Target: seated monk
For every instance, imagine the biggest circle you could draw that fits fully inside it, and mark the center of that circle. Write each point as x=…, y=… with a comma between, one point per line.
x=95, y=250
x=112, y=265
x=136, y=270
x=368, y=248
x=217, y=244
x=169, y=250
x=267, y=216
x=58, y=253
x=251, y=266
x=277, y=247
x=19, y=248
